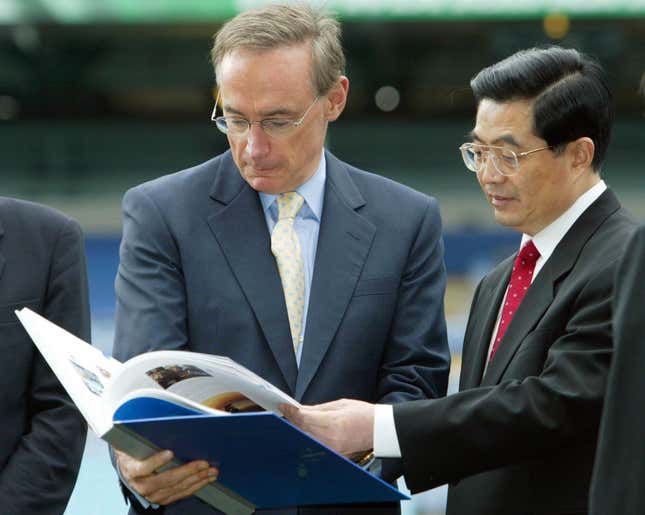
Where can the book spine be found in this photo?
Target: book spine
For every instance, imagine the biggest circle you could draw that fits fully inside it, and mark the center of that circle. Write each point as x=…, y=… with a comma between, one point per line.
x=214, y=494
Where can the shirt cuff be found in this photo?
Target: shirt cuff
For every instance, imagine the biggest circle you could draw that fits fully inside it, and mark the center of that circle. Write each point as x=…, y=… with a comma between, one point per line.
x=142, y=500
x=386, y=443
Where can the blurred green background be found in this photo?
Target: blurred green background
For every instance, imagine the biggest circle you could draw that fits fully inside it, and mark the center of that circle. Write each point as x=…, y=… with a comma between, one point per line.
x=99, y=95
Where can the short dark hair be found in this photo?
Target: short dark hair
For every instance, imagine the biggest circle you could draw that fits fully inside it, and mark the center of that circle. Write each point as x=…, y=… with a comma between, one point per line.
x=571, y=96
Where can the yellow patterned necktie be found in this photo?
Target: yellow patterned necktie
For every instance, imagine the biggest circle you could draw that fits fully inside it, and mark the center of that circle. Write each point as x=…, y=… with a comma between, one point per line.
x=285, y=246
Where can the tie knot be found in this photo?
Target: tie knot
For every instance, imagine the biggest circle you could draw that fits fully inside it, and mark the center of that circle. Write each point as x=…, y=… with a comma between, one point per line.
x=289, y=204
x=528, y=254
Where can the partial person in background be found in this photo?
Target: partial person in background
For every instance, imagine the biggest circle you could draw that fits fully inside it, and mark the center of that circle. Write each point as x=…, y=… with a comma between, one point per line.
x=520, y=435
x=618, y=484
x=42, y=267
x=202, y=268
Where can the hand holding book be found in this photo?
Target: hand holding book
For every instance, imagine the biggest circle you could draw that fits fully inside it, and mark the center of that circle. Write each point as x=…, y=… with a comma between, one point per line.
x=158, y=486
x=345, y=425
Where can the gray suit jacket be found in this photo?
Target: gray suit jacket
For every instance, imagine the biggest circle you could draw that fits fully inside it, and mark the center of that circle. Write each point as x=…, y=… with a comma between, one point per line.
x=521, y=439
x=42, y=266
x=197, y=273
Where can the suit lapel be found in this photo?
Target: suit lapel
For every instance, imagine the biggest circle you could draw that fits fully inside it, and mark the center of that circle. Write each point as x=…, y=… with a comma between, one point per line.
x=541, y=293
x=343, y=244
x=482, y=323
x=239, y=226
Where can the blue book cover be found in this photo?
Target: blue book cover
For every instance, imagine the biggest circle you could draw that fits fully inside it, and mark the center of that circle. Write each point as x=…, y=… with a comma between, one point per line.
x=261, y=456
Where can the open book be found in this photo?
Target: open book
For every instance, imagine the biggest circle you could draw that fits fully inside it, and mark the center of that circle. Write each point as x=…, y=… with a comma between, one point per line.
x=203, y=406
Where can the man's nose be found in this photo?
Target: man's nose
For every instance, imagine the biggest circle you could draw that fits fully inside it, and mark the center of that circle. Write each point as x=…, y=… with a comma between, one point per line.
x=488, y=171
x=257, y=141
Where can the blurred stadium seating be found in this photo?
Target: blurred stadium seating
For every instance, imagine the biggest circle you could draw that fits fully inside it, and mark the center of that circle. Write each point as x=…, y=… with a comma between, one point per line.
x=97, y=96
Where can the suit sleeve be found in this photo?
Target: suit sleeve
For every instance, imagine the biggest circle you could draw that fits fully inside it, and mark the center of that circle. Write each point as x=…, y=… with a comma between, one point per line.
x=487, y=427
x=416, y=361
x=150, y=291
x=617, y=485
x=40, y=475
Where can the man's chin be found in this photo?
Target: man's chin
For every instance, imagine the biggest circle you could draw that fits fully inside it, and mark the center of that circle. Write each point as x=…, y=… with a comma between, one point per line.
x=503, y=218
x=266, y=184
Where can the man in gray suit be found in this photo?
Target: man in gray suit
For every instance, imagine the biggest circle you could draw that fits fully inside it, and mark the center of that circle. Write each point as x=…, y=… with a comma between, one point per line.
x=520, y=435
x=42, y=267
x=202, y=269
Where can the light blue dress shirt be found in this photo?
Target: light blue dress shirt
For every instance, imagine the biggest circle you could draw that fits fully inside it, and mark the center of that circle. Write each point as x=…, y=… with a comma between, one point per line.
x=307, y=227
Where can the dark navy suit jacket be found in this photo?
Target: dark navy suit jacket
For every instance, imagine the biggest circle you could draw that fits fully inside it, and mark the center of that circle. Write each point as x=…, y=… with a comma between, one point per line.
x=197, y=273
x=42, y=267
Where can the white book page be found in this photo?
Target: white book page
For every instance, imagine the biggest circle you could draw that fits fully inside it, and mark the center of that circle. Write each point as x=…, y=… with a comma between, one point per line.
x=213, y=381
x=84, y=371
x=165, y=395
x=98, y=384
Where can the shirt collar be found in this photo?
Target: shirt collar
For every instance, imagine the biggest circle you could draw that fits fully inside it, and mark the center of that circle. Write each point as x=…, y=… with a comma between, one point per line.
x=313, y=191
x=548, y=238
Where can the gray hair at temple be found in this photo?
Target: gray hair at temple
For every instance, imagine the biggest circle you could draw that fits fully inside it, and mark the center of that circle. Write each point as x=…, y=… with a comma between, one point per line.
x=278, y=25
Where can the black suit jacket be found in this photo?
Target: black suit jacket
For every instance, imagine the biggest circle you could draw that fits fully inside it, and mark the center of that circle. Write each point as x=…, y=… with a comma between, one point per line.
x=197, y=273
x=521, y=439
x=618, y=484
x=42, y=266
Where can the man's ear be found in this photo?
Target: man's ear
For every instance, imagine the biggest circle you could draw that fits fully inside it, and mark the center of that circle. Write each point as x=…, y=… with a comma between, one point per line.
x=580, y=154
x=336, y=99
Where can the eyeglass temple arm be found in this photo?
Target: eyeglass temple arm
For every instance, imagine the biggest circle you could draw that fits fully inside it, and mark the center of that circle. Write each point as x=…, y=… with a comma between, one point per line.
x=214, y=113
x=528, y=152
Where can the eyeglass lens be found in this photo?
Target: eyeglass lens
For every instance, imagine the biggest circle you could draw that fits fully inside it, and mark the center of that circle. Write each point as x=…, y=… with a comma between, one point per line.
x=505, y=161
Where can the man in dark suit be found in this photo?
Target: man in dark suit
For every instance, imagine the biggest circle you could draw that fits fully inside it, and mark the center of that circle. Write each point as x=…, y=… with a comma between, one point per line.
x=201, y=268
x=519, y=437
x=42, y=267
x=619, y=473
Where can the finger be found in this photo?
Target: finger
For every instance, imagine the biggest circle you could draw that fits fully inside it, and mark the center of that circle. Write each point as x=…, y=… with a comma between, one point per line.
x=328, y=406
x=288, y=410
x=295, y=414
x=169, y=479
x=298, y=416
x=122, y=460
x=322, y=424
x=316, y=423
x=183, y=488
x=132, y=468
x=155, y=462
x=188, y=492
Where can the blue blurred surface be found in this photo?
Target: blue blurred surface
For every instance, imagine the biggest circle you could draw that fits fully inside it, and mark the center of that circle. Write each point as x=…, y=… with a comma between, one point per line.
x=468, y=252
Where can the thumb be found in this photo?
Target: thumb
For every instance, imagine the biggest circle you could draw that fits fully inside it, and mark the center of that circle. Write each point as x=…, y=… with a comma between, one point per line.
x=149, y=465
x=288, y=410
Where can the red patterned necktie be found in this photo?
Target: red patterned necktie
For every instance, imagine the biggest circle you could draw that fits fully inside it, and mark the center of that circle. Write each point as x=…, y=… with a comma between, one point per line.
x=519, y=283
